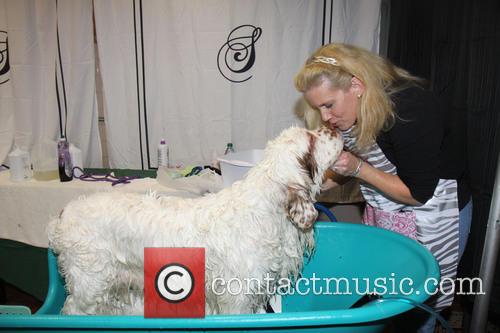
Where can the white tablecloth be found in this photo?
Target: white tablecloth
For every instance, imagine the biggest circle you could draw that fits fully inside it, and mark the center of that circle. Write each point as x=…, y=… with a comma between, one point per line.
x=27, y=207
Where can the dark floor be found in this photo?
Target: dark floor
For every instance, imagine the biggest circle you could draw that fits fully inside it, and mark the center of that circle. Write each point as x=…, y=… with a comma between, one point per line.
x=10, y=295
x=459, y=315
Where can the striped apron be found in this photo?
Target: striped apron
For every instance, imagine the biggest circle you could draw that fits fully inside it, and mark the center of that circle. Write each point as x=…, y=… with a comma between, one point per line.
x=434, y=224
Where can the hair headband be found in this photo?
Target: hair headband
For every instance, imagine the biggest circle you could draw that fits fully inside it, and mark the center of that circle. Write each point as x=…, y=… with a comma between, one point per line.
x=326, y=60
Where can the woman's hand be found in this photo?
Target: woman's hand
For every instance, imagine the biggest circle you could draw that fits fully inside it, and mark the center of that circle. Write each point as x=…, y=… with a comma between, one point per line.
x=332, y=179
x=328, y=184
x=347, y=164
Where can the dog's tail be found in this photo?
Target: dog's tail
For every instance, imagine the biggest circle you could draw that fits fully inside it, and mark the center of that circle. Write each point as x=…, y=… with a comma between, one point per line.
x=54, y=233
x=62, y=231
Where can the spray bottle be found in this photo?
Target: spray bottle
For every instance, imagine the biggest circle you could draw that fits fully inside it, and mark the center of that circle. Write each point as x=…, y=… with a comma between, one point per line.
x=64, y=160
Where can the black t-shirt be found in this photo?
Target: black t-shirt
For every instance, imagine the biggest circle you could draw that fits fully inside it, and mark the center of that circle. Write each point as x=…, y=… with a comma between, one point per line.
x=425, y=144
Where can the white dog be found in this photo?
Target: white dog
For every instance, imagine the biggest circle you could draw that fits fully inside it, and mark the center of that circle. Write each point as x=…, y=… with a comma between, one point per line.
x=261, y=226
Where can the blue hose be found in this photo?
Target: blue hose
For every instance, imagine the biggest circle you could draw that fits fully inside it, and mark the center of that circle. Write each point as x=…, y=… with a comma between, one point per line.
x=422, y=306
x=321, y=208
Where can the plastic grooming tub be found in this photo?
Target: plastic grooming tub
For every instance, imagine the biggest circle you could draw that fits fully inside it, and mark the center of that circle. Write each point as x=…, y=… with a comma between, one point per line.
x=350, y=251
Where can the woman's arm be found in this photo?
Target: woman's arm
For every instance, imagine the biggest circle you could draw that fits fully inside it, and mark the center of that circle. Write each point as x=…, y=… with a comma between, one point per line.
x=391, y=185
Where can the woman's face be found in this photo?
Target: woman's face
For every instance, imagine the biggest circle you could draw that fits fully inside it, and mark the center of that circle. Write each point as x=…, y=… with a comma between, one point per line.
x=337, y=107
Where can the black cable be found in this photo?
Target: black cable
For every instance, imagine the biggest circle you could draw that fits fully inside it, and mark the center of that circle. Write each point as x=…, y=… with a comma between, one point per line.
x=62, y=77
x=144, y=87
x=331, y=23
x=137, y=85
x=323, y=26
x=59, y=108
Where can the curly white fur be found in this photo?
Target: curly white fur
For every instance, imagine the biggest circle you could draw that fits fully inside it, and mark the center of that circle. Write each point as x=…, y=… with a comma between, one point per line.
x=261, y=226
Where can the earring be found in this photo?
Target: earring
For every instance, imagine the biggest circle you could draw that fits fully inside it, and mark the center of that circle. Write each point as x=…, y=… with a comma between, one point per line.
x=359, y=96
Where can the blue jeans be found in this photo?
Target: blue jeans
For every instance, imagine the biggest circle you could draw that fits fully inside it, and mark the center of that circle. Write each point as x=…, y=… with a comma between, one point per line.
x=464, y=222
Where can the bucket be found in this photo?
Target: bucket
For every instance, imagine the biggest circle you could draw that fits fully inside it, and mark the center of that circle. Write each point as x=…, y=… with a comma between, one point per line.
x=234, y=166
x=345, y=251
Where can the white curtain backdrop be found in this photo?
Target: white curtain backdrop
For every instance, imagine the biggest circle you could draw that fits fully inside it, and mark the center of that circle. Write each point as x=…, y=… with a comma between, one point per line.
x=114, y=23
x=6, y=97
x=76, y=39
x=170, y=72
x=28, y=101
x=198, y=73
x=31, y=35
x=354, y=22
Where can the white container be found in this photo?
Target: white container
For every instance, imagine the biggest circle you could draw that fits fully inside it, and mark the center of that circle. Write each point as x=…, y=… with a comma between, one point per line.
x=163, y=154
x=20, y=165
x=234, y=166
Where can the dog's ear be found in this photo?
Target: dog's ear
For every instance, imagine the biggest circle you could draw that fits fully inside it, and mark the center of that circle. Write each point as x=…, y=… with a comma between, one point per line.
x=307, y=162
x=300, y=207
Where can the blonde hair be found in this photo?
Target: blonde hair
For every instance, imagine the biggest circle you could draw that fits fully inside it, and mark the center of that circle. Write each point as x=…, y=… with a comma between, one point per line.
x=338, y=63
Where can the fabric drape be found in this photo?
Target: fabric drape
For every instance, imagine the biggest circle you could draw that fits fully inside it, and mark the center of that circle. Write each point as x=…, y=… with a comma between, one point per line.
x=29, y=98
x=6, y=94
x=456, y=46
x=198, y=73
x=77, y=53
x=201, y=74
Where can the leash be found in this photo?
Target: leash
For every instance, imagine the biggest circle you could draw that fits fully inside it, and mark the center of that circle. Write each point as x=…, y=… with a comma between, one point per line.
x=88, y=177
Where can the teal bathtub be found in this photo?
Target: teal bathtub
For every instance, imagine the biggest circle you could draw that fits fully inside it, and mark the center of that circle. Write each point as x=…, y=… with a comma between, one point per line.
x=350, y=260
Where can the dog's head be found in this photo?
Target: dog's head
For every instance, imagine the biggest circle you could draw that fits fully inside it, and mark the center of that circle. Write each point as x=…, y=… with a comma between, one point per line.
x=298, y=159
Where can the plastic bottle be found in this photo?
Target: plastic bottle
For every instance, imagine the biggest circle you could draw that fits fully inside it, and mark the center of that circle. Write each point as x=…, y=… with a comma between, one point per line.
x=76, y=159
x=229, y=148
x=20, y=165
x=163, y=154
x=64, y=160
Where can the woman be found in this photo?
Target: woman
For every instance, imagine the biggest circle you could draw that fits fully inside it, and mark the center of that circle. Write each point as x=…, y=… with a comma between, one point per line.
x=398, y=145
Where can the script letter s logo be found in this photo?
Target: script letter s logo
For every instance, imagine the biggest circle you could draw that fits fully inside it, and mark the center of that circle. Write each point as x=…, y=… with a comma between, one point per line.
x=237, y=56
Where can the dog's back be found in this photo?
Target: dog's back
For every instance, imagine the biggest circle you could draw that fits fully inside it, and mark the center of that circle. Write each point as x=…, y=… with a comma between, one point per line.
x=259, y=226
x=100, y=241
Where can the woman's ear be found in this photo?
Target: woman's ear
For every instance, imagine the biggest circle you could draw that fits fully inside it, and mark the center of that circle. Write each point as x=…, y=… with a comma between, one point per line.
x=357, y=86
